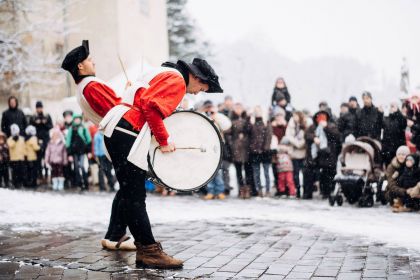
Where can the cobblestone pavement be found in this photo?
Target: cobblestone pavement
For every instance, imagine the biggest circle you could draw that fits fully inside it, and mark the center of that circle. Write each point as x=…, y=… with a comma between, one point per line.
x=234, y=249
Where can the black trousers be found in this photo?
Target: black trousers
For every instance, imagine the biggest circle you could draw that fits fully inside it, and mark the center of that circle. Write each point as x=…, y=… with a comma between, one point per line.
x=326, y=177
x=18, y=171
x=129, y=205
x=31, y=174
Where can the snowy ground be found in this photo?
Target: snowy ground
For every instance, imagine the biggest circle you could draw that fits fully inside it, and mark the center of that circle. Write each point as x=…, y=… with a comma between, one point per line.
x=27, y=211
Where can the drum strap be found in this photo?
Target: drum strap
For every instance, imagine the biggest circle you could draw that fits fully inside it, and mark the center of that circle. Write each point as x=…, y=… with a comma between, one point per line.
x=126, y=131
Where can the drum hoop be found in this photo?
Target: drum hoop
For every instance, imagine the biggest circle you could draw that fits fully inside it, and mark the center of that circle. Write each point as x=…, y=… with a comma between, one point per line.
x=154, y=176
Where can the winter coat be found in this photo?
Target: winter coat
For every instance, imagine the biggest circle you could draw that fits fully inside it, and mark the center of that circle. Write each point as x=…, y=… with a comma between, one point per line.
x=296, y=138
x=78, y=140
x=347, y=123
x=56, y=153
x=415, y=129
x=284, y=163
x=410, y=176
x=4, y=153
x=11, y=116
x=17, y=148
x=393, y=134
x=369, y=122
x=393, y=171
x=239, y=139
x=278, y=94
x=43, y=125
x=32, y=147
x=326, y=158
x=260, y=140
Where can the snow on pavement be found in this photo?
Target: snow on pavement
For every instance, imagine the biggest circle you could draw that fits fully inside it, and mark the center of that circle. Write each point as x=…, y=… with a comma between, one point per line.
x=27, y=211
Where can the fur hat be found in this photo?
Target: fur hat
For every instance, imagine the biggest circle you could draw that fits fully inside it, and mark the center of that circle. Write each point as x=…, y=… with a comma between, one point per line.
x=14, y=130
x=30, y=130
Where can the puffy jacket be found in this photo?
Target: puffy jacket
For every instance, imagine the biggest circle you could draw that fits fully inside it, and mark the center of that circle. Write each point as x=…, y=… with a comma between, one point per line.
x=32, y=147
x=17, y=148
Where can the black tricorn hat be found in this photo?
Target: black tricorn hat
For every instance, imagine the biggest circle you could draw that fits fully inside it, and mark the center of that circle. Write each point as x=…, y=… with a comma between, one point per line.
x=202, y=70
x=74, y=57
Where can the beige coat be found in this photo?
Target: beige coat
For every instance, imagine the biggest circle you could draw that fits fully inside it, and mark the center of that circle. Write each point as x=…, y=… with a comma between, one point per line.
x=17, y=149
x=296, y=138
x=31, y=148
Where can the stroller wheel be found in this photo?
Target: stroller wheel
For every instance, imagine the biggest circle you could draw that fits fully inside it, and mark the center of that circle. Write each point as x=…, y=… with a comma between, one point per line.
x=331, y=200
x=339, y=200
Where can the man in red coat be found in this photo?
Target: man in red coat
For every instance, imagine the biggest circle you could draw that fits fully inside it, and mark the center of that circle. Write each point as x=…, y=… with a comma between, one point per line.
x=151, y=103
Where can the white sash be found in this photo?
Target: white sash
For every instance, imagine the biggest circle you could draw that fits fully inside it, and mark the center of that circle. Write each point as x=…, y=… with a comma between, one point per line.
x=87, y=110
x=140, y=148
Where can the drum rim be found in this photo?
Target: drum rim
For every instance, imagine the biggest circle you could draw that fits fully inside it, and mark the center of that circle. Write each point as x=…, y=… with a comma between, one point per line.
x=154, y=176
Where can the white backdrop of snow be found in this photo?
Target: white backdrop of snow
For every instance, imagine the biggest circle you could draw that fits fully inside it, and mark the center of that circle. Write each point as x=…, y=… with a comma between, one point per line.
x=27, y=211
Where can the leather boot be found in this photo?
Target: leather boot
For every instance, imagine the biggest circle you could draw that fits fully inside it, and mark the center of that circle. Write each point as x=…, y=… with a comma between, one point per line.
x=247, y=194
x=153, y=256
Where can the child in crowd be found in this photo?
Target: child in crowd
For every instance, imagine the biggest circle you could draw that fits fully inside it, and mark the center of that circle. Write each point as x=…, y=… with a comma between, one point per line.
x=408, y=180
x=4, y=161
x=393, y=171
x=285, y=172
x=56, y=158
x=17, y=151
x=32, y=147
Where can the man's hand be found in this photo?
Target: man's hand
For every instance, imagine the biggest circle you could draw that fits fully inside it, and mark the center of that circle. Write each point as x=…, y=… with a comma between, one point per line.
x=168, y=148
x=70, y=158
x=317, y=141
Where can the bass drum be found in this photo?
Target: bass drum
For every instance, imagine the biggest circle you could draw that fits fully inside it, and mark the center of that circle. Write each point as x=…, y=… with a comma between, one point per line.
x=198, y=153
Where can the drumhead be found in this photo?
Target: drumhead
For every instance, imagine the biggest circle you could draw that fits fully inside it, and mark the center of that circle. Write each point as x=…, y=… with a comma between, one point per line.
x=198, y=152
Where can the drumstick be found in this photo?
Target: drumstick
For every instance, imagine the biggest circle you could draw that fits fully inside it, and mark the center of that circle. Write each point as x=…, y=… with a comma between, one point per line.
x=202, y=149
x=123, y=68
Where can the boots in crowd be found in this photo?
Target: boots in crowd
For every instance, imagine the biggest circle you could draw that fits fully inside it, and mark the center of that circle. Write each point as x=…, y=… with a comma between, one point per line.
x=247, y=192
x=398, y=206
x=55, y=184
x=209, y=196
x=61, y=183
x=153, y=256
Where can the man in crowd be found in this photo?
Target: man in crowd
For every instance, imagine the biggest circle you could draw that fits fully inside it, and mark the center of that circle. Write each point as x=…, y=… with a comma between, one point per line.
x=43, y=123
x=369, y=119
x=13, y=115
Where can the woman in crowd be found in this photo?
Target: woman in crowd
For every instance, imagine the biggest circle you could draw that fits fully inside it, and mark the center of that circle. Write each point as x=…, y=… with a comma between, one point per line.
x=260, y=140
x=295, y=135
x=323, y=146
x=393, y=133
x=239, y=141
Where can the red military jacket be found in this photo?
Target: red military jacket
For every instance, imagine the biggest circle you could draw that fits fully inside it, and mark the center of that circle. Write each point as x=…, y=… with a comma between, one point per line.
x=157, y=102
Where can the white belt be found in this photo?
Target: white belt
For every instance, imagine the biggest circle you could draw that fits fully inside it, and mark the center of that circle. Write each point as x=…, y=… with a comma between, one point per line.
x=126, y=131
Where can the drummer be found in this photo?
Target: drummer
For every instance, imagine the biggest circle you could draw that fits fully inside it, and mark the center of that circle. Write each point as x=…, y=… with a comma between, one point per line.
x=155, y=97
x=96, y=99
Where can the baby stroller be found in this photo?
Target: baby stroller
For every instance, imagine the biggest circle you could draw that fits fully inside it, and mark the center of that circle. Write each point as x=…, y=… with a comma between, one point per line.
x=359, y=173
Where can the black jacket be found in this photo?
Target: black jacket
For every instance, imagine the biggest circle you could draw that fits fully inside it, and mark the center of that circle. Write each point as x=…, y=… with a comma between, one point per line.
x=278, y=94
x=347, y=123
x=11, y=116
x=369, y=122
x=43, y=124
x=394, y=133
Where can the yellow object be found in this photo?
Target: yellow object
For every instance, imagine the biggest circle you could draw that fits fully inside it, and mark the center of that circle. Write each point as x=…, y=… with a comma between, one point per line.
x=17, y=149
x=31, y=148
